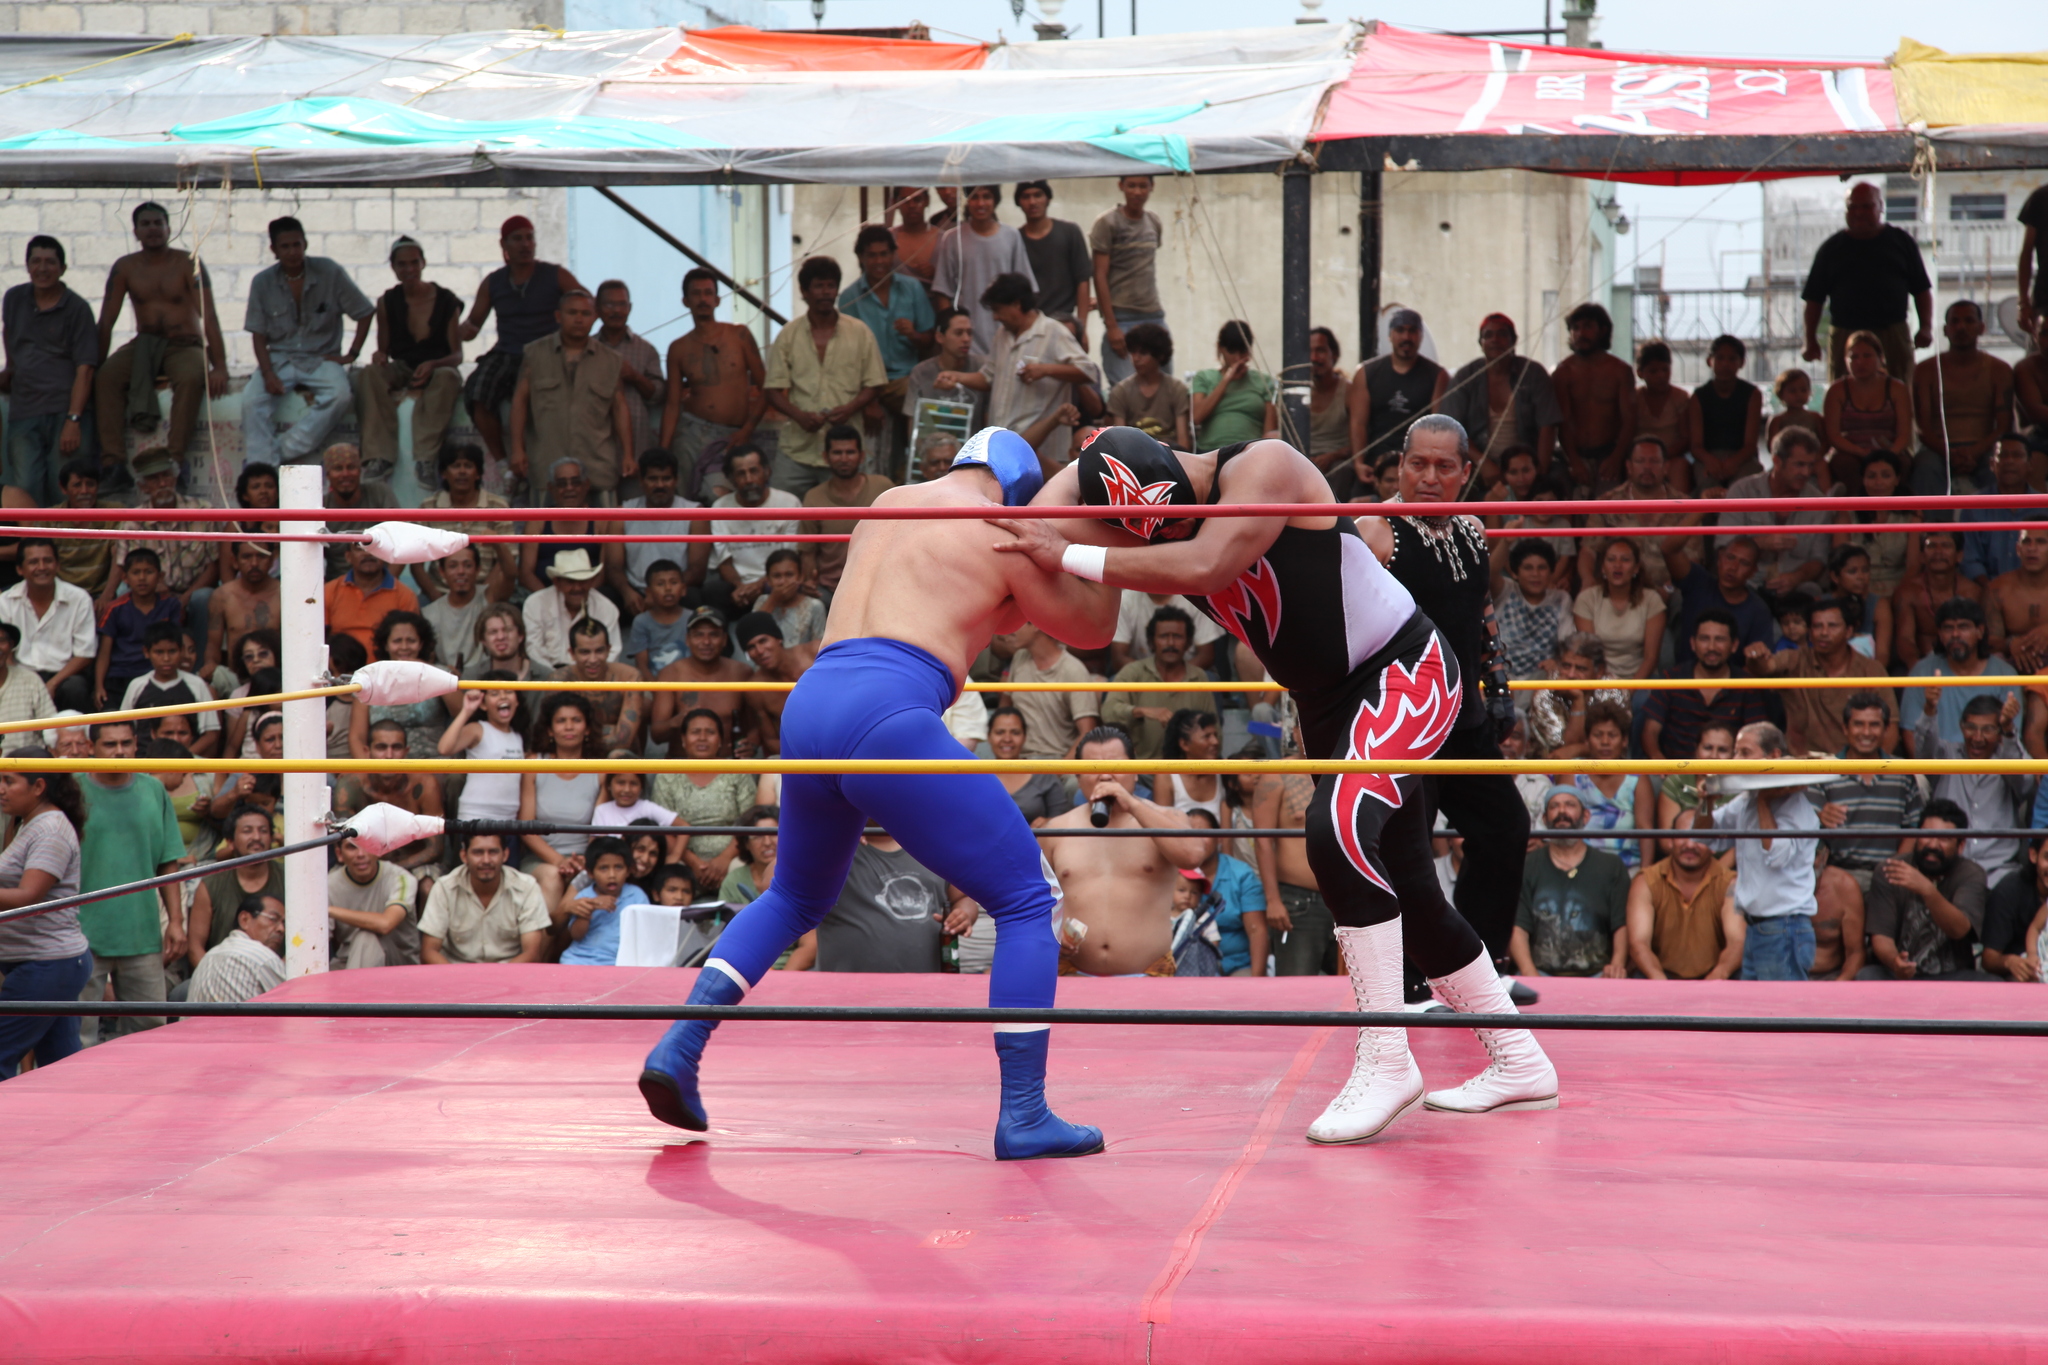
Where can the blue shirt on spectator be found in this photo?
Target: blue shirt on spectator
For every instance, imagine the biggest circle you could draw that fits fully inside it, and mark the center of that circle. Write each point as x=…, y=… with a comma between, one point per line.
x=1237, y=892
x=124, y=623
x=907, y=299
x=599, y=946
x=1987, y=554
x=1699, y=590
x=664, y=643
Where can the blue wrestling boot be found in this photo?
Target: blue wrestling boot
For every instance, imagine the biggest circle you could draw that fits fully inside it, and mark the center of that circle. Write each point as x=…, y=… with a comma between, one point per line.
x=669, y=1082
x=1026, y=1129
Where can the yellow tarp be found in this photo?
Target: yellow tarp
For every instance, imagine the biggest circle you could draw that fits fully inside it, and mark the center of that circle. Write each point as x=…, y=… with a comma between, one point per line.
x=1942, y=89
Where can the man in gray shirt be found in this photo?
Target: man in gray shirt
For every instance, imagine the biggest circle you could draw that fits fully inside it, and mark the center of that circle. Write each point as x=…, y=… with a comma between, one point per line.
x=294, y=319
x=53, y=346
x=894, y=915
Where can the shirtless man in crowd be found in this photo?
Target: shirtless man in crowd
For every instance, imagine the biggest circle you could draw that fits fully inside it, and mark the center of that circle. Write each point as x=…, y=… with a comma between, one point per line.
x=1120, y=891
x=173, y=298
x=706, y=661
x=419, y=793
x=1303, y=933
x=590, y=661
x=773, y=661
x=715, y=379
x=2017, y=605
x=1962, y=404
x=1596, y=392
x=1837, y=921
x=249, y=601
x=1920, y=594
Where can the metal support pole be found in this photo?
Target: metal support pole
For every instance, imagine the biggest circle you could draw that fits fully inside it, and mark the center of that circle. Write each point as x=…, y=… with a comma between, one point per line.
x=1370, y=218
x=302, y=585
x=1295, y=180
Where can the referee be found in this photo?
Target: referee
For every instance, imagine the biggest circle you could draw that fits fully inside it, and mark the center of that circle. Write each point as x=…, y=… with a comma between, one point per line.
x=1442, y=560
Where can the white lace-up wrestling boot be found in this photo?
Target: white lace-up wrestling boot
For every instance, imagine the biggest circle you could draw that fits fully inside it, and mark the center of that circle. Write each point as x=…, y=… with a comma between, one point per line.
x=1385, y=1082
x=1519, y=1076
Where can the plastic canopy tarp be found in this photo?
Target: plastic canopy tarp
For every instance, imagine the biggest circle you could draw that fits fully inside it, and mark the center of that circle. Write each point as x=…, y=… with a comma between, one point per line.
x=648, y=104
x=1997, y=97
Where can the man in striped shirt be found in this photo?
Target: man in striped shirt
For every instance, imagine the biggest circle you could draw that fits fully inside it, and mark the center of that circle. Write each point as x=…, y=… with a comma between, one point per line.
x=1886, y=799
x=248, y=961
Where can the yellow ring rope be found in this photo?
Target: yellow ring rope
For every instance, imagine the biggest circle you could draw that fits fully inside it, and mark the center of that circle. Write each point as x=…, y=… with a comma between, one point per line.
x=13, y=727
x=1986, y=681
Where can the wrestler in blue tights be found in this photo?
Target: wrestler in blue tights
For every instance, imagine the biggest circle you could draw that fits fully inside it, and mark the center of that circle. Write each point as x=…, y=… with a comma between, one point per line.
x=879, y=698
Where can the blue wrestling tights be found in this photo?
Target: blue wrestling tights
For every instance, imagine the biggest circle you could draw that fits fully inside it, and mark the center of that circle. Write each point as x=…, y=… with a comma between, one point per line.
x=874, y=698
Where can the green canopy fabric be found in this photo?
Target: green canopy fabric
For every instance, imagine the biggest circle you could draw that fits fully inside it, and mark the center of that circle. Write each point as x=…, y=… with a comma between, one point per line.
x=326, y=123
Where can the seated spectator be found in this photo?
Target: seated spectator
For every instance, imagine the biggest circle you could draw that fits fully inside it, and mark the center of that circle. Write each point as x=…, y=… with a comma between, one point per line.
x=1988, y=800
x=956, y=354
x=255, y=490
x=248, y=960
x=455, y=613
x=1682, y=923
x=552, y=612
x=1868, y=614
x=1726, y=587
x=1533, y=788
x=1039, y=795
x=2015, y=602
x=594, y=912
x=1727, y=417
x=85, y=563
x=798, y=615
x=347, y=489
x=56, y=626
x=1559, y=718
x=22, y=694
x=1791, y=615
x=850, y=486
x=935, y=456
x=1531, y=613
x=403, y=635
x=245, y=602
x=359, y=599
x=1964, y=654
x=1673, y=721
x=2015, y=913
x=1812, y=722
x=571, y=400
x=893, y=915
x=123, y=621
x=1678, y=793
x=594, y=659
x=1926, y=907
x=461, y=464
x=191, y=794
x=294, y=320
x=264, y=790
x=1052, y=722
x=1232, y=402
x=1646, y=481
x=646, y=849
x=568, y=487
x=418, y=356
x=191, y=567
x=754, y=865
x=418, y=793
x=1962, y=404
x=1937, y=581
x=1151, y=399
x=762, y=640
x=567, y=729
x=625, y=804
x=1134, y=626
x=166, y=684
x=628, y=567
x=370, y=911
x=1892, y=553
x=500, y=644
x=1117, y=890
x=1789, y=559
x=1522, y=480
x=706, y=660
x=1193, y=735
x=1793, y=389
x=1573, y=916
x=1143, y=715
x=1866, y=412
x=1612, y=800
x=1240, y=903
x=484, y=911
x=1838, y=937
x=487, y=727
x=1987, y=554
x=702, y=798
x=1890, y=800
x=68, y=741
x=739, y=571
x=656, y=638
x=1774, y=877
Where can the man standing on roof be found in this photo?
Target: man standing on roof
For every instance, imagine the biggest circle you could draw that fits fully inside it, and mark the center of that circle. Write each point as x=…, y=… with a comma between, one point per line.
x=1372, y=679
x=896, y=654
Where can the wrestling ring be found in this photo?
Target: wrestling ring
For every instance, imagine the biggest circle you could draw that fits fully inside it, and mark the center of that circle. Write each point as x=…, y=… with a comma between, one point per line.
x=450, y=1163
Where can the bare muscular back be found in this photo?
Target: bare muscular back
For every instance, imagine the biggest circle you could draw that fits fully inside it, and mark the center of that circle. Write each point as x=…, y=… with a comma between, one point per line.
x=1284, y=800
x=1834, y=896
x=1122, y=889
x=163, y=290
x=718, y=365
x=2018, y=609
x=1594, y=393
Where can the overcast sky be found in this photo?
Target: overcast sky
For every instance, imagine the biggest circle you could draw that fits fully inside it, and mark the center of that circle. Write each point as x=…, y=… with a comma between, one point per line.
x=1704, y=237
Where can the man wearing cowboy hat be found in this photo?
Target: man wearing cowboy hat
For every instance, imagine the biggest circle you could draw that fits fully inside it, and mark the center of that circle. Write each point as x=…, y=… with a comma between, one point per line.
x=363, y=596
x=567, y=598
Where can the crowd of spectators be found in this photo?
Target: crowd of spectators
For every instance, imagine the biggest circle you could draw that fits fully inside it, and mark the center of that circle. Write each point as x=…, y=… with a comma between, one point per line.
x=1046, y=326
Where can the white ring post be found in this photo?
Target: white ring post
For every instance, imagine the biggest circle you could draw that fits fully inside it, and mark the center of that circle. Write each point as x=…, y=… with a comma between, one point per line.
x=303, y=584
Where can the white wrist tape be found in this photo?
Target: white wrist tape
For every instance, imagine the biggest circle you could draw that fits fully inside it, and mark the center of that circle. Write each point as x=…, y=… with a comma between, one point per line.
x=1085, y=561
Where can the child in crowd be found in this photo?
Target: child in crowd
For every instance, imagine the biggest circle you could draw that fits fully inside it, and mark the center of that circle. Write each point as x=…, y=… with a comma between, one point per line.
x=659, y=635
x=128, y=619
x=1665, y=413
x=1791, y=614
x=1727, y=416
x=594, y=911
x=220, y=678
x=801, y=616
x=673, y=884
x=487, y=727
x=166, y=684
x=1794, y=390
x=625, y=803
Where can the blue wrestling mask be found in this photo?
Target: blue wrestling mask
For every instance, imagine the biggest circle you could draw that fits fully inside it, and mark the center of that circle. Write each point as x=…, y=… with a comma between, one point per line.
x=1122, y=467
x=1010, y=458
